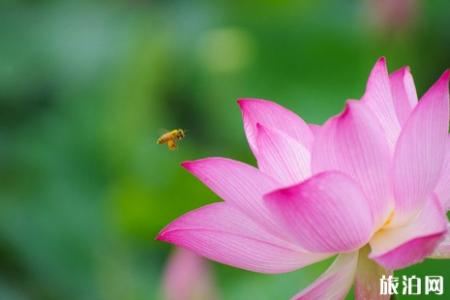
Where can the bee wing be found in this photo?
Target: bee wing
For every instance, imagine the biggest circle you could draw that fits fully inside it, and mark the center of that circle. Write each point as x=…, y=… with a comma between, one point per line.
x=161, y=133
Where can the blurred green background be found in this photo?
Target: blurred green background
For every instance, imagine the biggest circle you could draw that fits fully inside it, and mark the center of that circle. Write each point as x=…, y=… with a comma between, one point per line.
x=87, y=86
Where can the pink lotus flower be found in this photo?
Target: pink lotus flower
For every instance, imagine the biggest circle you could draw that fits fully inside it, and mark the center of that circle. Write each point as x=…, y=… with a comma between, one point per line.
x=372, y=186
x=187, y=277
x=394, y=15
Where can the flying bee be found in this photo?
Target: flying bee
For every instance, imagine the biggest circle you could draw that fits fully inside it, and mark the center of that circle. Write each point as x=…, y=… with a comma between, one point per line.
x=171, y=138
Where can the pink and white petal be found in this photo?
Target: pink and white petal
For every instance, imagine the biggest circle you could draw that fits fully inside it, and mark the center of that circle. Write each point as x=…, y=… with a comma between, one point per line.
x=443, y=186
x=420, y=151
x=355, y=144
x=223, y=233
x=187, y=277
x=399, y=247
x=282, y=157
x=404, y=93
x=272, y=115
x=335, y=283
x=326, y=213
x=368, y=274
x=315, y=128
x=238, y=184
x=442, y=251
x=378, y=98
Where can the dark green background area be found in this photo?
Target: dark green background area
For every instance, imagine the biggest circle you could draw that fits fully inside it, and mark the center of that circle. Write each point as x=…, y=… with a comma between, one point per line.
x=87, y=86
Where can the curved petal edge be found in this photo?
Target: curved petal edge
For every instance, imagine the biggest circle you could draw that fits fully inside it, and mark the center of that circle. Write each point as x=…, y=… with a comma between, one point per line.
x=223, y=233
x=335, y=282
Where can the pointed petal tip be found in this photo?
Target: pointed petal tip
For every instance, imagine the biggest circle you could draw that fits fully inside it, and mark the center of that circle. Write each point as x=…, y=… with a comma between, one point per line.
x=402, y=71
x=440, y=87
x=381, y=62
x=443, y=80
x=349, y=105
x=164, y=234
x=240, y=102
x=445, y=76
x=161, y=235
x=187, y=164
x=380, y=66
x=190, y=165
x=244, y=101
x=272, y=115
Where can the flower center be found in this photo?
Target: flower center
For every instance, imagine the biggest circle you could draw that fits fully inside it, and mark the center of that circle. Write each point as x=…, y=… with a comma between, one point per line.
x=388, y=220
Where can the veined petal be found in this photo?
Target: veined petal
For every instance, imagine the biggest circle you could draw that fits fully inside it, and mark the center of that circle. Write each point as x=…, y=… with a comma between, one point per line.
x=282, y=157
x=443, y=185
x=399, y=247
x=272, y=115
x=442, y=251
x=315, y=128
x=378, y=98
x=420, y=151
x=404, y=93
x=368, y=274
x=335, y=283
x=223, y=233
x=354, y=143
x=238, y=184
x=326, y=213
